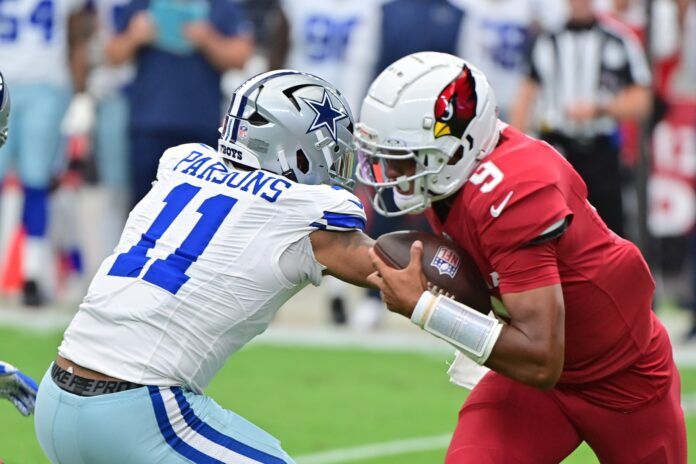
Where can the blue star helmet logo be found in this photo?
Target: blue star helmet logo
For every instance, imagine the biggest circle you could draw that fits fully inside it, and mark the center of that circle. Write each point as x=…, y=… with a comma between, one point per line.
x=326, y=115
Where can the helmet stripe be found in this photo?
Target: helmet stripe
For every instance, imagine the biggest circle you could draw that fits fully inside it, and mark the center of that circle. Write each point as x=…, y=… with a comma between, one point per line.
x=248, y=87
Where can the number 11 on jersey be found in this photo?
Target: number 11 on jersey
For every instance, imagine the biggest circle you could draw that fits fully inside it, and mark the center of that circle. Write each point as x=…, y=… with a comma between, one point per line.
x=170, y=273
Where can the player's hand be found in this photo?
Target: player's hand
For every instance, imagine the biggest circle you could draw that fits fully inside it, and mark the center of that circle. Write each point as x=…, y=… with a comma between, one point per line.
x=80, y=116
x=400, y=289
x=17, y=387
x=141, y=29
x=199, y=32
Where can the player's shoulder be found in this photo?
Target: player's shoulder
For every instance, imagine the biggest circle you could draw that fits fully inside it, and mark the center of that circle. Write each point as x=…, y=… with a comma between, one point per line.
x=516, y=187
x=173, y=155
x=617, y=29
x=523, y=157
x=519, y=163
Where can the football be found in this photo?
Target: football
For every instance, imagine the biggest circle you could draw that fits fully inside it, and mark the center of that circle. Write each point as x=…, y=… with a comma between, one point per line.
x=445, y=265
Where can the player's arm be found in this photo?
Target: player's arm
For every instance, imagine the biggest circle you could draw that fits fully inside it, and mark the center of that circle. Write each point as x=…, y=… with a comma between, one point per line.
x=139, y=32
x=280, y=38
x=529, y=349
x=222, y=51
x=80, y=27
x=345, y=255
x=522, y=106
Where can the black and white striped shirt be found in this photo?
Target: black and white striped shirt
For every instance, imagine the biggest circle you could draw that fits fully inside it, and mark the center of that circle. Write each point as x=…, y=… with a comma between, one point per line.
x=586, y=63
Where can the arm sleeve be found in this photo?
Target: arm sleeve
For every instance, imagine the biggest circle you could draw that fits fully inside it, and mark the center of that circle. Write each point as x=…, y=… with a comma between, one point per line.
x=509, y=240
x=230, y=19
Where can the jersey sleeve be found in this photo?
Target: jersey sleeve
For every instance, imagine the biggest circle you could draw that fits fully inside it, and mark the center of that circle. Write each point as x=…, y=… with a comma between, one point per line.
x=510, y=235
x=341, y=211
x=309, y=208
x=541, y=47
x=637, y=67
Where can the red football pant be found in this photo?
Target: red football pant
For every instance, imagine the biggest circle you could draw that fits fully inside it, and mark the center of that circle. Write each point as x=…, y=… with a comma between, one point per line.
x=505, y=421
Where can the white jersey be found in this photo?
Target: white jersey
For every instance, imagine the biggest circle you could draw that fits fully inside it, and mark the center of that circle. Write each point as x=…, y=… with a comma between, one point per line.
x=104, y=79
x=201, y=268
x=497, y=37
x=34, y=40
x=337, y=40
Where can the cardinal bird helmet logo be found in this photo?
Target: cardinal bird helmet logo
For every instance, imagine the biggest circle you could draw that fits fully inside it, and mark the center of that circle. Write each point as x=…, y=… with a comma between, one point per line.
x=455, y=107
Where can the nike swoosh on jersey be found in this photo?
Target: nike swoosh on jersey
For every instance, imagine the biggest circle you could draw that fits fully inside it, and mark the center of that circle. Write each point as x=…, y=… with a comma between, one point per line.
x=497, y=210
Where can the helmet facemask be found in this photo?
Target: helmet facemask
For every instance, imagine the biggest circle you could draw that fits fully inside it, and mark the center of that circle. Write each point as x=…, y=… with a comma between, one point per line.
x=431, y=179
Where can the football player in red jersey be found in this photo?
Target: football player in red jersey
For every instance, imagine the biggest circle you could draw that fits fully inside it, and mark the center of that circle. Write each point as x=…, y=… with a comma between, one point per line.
x=581, y=355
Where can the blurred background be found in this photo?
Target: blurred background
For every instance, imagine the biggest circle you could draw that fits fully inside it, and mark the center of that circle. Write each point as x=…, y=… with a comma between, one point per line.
x=100, y=88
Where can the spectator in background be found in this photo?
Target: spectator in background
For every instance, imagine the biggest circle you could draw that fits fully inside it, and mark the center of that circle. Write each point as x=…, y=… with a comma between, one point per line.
x=410, y=26
x=40, y=44
x=591, y=74
x=498, y=37
x=180, y=50
x=407, y=26
x=336, y=40
x=107, y=86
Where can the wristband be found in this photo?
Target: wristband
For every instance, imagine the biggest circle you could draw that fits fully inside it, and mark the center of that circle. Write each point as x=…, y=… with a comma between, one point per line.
x=472, y=333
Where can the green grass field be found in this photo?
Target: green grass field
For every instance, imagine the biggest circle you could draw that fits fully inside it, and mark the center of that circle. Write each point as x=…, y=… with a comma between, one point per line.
x=312, y=399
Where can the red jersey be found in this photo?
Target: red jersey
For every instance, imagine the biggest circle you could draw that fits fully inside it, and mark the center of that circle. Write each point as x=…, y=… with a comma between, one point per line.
x=617, y=353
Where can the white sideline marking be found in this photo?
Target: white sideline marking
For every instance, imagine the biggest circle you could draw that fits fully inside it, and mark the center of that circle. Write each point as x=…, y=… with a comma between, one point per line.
x=376, y=450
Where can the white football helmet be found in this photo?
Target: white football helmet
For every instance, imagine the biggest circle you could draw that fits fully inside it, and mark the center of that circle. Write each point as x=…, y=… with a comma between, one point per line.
x=293, y=124
x=432, y=108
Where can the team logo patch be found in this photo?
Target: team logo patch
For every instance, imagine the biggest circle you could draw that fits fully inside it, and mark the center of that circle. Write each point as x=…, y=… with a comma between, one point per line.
x=455, y=107
x=326, y=115
x=446, y=261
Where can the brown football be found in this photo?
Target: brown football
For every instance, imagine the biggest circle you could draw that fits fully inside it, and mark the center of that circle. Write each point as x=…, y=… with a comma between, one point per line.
x=445, y=265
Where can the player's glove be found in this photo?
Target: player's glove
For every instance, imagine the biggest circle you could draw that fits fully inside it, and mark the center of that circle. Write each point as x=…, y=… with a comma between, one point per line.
x=17, y=387
x=80, y=116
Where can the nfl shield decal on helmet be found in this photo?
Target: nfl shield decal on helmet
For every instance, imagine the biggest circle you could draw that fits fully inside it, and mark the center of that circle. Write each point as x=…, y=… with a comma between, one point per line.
x=326, y=115
x=446, y=261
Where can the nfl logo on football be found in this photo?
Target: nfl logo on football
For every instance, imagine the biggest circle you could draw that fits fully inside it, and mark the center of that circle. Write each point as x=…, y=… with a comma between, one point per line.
x=446, y=261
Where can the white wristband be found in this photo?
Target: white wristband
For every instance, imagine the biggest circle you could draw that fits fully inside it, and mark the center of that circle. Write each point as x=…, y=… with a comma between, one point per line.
x=472, y=333
x=424, y=302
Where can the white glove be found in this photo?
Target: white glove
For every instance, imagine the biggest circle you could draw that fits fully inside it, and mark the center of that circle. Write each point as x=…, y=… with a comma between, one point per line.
x=80, y=116
x=17, y=387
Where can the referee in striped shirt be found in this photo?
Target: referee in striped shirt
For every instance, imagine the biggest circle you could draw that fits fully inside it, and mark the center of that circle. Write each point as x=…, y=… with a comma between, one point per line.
x=590, y=75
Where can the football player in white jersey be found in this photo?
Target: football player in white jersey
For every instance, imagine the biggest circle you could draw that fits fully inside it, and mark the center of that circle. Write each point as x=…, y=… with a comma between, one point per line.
x=498, y=36
x=337, y=40
x=34, y=52
x=222, y=240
